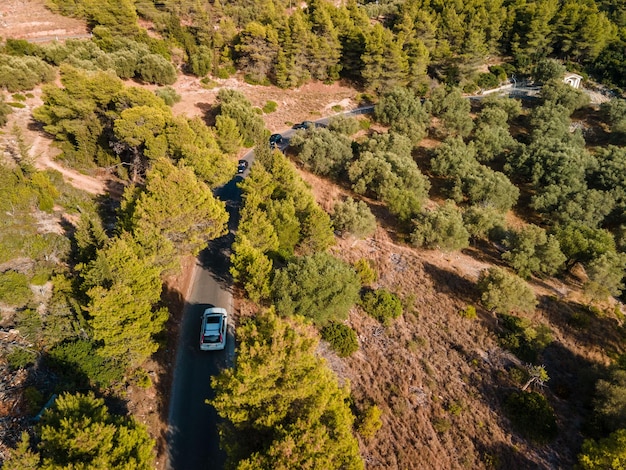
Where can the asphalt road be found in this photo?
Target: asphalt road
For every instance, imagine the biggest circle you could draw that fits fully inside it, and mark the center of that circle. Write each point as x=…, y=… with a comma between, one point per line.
x=193, y=442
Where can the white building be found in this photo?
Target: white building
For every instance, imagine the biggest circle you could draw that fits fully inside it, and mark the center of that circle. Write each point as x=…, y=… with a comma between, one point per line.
x=572, y=79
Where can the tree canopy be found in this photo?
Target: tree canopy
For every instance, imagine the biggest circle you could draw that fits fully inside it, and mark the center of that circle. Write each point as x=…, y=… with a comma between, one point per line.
x=80, y=432
x=282, y=404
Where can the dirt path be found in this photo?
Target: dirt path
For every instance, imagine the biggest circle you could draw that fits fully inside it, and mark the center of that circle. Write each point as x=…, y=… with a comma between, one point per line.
x=41, y=155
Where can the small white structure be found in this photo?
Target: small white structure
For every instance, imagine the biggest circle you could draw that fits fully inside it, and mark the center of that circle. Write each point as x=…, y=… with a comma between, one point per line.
x=572, y=79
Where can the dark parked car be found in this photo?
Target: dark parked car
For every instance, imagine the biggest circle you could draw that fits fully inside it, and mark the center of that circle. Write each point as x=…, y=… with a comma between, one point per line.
x=241, y=166
x=275, y=139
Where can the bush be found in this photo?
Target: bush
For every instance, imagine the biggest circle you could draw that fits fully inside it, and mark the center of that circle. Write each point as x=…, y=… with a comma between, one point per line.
x=142, y=379
x=442, y=228
x=610, y=401
x=33, y=399
x=343, y=125
x=322, y=151
x=502, y=292
x=21, y=358
x=522, y=338
x=469, y=312
x=370, y=422
x=14, y=289
x=366, y=270
x=354, y=217
x=532, y=415
x=169, y=95
x=607, y=453
x=341, y=338
x=80, y=365
x=487, y=80
x=154, y=68
x=319, y=286
x=382, y=305
x=270, y=107
x=5, y=110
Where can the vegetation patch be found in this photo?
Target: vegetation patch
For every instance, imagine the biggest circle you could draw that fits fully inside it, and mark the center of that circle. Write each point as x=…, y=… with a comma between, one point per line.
x=341, y=338
x=382, y=304
x=532, y=416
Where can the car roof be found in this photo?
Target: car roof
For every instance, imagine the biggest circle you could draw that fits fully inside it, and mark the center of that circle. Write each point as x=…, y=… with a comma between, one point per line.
x=215, y=311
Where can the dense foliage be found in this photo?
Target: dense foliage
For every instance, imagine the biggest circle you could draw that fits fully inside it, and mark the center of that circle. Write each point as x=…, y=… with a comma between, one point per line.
x=282, y=404
x=319, y=286
x=533, y=415
x=503, y=292
x=80, y=432
x=341, y=338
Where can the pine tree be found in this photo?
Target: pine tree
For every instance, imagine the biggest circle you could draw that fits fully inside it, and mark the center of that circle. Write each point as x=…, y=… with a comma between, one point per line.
x=177, y=207
x=79, y=432
x=284, y=406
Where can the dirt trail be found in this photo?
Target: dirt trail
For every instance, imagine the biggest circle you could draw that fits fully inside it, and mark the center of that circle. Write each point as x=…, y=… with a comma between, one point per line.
x=41, y=155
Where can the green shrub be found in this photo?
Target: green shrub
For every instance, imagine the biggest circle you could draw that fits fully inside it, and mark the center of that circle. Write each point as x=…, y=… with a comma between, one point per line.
x=29, y=323
x=14, y=289
x=354, y=217
x=532, y=416
x=455, y=408
x=365, y=99
x=142, y=379
x=15, y=104
x=41, y=276
x=19, y=97
x=270, y=107
x=225, y=72
x=337, y=108
x=168, y=95
x=442, y=425
x=343, y=125
x=154, y=68
x=499, y=71
x=442, y=228
x=366, y=270
x=607, y=453
x=503, y=292
x=364, y=124
x=370, y=422
x=487, y=80
x=33, y=399
x=341, y=338
x=319, y=286
x=208, y=83
x=21, y=358
x=469, y=312
x=382, y=305
x=522, y=338
x=80, y=365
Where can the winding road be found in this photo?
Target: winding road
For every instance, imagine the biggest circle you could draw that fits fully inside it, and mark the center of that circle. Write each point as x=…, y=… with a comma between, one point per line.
x=193, y=440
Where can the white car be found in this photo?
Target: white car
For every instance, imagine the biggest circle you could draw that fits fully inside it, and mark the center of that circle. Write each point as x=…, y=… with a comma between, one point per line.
x=213, y=330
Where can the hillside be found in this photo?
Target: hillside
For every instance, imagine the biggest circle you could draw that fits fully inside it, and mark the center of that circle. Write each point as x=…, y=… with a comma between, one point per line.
x=441, y=377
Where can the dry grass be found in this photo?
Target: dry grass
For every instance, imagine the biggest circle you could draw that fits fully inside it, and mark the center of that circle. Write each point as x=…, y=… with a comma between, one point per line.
x=440, y=379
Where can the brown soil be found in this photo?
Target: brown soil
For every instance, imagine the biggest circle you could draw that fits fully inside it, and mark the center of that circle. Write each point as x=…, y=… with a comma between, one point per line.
x=30, y=19
x=311, y=101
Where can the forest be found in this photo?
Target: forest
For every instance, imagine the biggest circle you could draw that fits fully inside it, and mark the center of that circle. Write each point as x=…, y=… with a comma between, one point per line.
x=534, y=190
